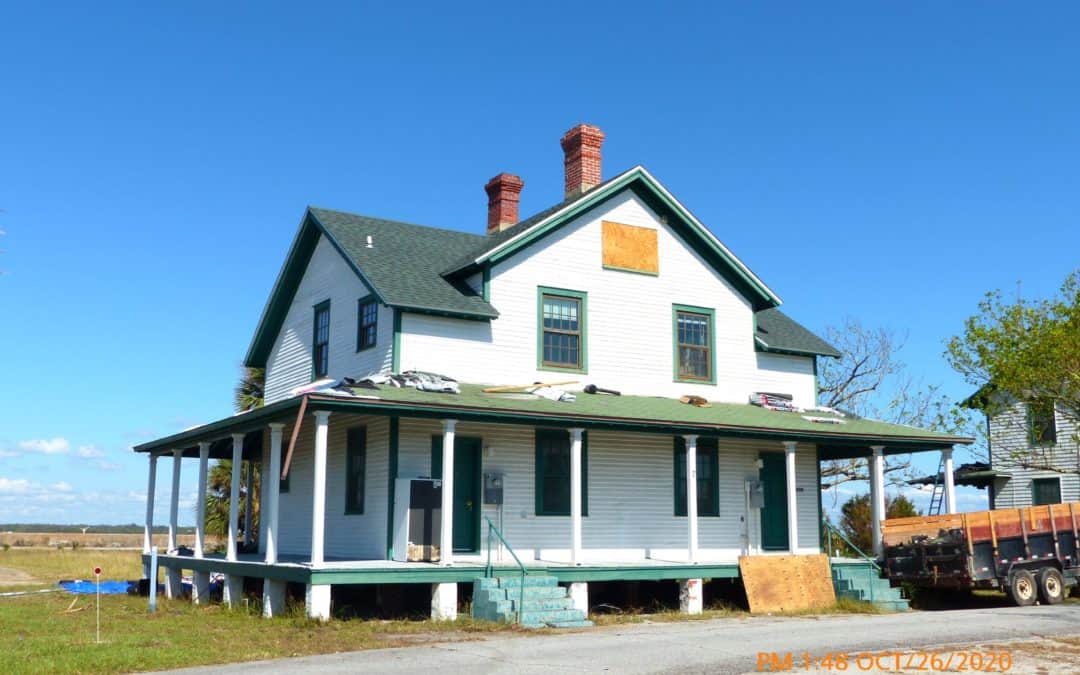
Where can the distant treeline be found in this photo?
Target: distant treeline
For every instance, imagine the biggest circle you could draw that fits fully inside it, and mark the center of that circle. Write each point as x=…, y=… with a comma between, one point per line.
x=100, y=529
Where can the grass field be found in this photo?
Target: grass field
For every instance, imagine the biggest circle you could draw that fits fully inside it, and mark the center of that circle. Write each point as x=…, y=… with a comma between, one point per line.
x=55, y=632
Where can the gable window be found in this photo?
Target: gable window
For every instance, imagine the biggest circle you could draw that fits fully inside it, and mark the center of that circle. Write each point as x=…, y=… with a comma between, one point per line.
x=367, y=318
x=708, y=482
x=355, y=463
x=1042, y=426
x=320, y=340
x=694, y=344
x=1045, y=491
x=553, y=473
x=562, y=330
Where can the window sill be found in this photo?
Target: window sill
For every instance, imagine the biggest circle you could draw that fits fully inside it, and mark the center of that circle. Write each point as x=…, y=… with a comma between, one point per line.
x=684, y=380
x=557, y=515
x=366, y=349
x=354, y=512
x=562, y=369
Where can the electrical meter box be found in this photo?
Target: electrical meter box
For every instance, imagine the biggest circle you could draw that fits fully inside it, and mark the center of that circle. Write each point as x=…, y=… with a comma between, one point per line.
x=756, y=491
x=493, y=488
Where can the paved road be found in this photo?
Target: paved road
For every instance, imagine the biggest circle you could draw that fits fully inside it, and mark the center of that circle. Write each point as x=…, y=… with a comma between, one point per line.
x=714, y=646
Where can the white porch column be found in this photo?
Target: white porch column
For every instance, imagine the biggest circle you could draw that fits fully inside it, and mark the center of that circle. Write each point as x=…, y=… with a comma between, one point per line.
x=877, y=495
x=200, y=504
x=792, y=502
x=148, y=530
x=234, y=493
x=174, y=499
x=200, y=581
x=691, y=495
x=950, y=487
x=272, y=480
x=318, y=491
x=446, y=525
x=249, y=504
x=172, y=574
x=575, y=495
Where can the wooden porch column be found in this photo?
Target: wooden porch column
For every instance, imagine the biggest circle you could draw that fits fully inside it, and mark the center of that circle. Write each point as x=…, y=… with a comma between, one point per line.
x=877, y=495
x=575, y=495
x=318, y=491
x=691, y=495
x=174, y=499
x=272, y=482
x=234, y=493
x=200, y=503
x=446, y=526
x=950, y=487
x=148, y=530
x=792, y=502
x=249, y=504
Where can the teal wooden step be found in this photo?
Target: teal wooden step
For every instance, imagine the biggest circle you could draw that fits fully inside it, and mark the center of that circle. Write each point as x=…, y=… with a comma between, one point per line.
x=545, y=602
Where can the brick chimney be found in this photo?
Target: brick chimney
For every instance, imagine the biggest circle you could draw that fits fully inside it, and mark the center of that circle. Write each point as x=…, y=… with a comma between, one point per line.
x=504, y=193
x=581, y=146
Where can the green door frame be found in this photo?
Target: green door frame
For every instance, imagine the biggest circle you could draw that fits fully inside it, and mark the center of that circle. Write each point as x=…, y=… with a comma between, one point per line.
x=474, y=444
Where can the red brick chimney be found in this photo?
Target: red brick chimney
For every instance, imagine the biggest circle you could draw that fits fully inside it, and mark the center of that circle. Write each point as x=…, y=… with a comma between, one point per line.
x=581, y=146
x=504, y=193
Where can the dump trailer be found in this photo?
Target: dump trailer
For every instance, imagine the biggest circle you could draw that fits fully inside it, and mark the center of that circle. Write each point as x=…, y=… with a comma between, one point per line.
x=1030, y=553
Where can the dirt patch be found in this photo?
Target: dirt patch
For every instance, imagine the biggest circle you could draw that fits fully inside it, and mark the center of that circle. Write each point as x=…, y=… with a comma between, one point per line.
x=11, y=577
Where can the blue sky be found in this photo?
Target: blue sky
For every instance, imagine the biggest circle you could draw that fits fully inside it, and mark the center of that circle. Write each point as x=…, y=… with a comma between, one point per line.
x=884, y=161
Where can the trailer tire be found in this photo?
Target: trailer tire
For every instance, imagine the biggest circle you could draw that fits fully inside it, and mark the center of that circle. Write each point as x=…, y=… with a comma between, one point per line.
x=1051, y=586
x=1022, y=588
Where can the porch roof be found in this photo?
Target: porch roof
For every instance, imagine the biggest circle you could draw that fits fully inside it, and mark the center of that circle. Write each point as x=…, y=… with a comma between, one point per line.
x=849, y=437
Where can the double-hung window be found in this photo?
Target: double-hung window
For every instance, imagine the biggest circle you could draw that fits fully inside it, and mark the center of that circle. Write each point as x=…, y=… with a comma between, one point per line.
x=367, y=317
x=1042, y=425
x=553, y=473
x=1045, y=491
x=355, y=464
x=694, y=344
x=320, y=340
x=562, y=328
x=708, y=480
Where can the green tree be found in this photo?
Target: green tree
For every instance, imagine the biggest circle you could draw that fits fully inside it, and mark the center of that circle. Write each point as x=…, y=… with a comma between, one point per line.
x=1024, y=350
x=856, y=521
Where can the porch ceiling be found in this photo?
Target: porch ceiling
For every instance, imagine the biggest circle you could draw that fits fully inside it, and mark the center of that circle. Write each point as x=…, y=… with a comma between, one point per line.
x=846, y=437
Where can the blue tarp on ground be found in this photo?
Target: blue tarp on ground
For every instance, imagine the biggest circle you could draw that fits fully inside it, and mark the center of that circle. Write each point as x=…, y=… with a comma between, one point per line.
x=90, y=587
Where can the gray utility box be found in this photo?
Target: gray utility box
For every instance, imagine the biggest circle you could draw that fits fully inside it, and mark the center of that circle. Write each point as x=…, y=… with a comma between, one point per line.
x=417, y=519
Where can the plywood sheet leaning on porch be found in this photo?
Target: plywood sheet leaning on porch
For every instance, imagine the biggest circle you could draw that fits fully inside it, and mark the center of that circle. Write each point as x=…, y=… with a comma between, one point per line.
x=785, y=583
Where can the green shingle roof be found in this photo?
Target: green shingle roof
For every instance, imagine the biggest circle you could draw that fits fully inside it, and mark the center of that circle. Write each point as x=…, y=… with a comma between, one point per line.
x=778, y=332
x=405, y=261
x=644, y=414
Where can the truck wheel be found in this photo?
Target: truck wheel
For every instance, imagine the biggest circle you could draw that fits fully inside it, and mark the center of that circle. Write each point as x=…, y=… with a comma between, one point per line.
x=1051, y=586
x=1022, y=589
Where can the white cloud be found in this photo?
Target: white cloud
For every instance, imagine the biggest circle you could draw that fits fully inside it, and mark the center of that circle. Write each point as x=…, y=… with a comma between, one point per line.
x=4, y=453
x=9, y=486
x=54, y=446
x=89, y=452
x=62, y=486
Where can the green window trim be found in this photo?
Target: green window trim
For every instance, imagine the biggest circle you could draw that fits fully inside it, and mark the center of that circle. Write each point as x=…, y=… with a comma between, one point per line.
x=709, y=314
x=320, y=344
x=367, y=323
x=583, y=323
x=1042, y=422
x=544, y=439
x=708, y=461
x=355, y=470
x=1045, y=491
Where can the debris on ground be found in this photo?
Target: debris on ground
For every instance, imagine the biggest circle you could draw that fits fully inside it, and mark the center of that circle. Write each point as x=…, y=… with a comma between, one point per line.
x=778, y=402
x=696, y=401
x=593, y=389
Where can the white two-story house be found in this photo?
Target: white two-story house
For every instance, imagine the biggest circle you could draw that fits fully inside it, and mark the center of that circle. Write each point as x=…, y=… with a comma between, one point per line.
x=618, y=287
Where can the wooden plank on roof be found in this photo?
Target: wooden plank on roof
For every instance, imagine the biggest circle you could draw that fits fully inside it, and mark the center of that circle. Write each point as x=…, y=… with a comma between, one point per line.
x=784, y=583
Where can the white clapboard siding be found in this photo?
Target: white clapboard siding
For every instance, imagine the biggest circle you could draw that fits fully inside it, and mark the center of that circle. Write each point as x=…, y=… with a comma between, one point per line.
x=328, y=277
x=630, y=493
x=1010, y=450
x=352, y=536
x=629, y=319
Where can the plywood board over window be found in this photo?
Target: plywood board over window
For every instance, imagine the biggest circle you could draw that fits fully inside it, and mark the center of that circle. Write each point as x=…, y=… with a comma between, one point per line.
x=630, y=248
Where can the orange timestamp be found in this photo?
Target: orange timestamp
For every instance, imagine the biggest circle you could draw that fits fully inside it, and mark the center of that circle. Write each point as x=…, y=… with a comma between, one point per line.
x=891, y=661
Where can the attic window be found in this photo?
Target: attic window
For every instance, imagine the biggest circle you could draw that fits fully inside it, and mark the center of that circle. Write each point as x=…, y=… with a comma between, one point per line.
x=629, y=248
x=320, y=340
x=367, y=317
x=1042, y=426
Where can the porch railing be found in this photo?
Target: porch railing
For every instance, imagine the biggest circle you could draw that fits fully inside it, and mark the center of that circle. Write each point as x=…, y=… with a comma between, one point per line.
x=489, y=570
x=873, y=570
